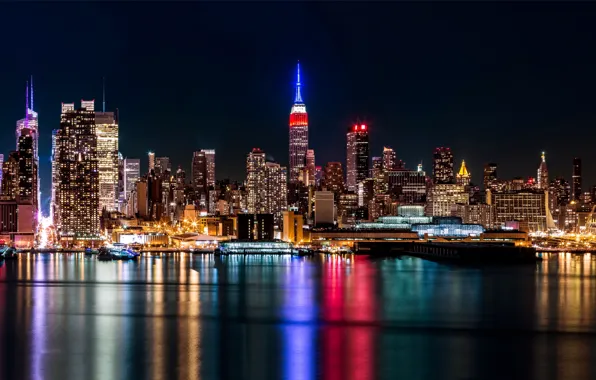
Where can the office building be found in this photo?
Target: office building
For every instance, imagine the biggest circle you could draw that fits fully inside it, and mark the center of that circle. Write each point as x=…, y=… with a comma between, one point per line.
x=246, y=227
x=78, y=174
x=264, y=226
x=528, y=207
x=162, y=166
x=132, y=173
x=265, y=185
x=10, y=177
x=151, y=160
x=490, y=175
x=298, y=133
x=1, y=162
x=443, y=166
x=333, y=177
x=210, y=163
x=482, y=214
x=310, y=168
x=389, y=159
x=199, y=172
x=407, y=186
x=463, y=176
x=106, y=127
x=576, y=183
x=357, y=156
x=443, y=196
x=293, y=224
x=324, y=208
x=542, y=174
x=30, y=126
x=27, y=172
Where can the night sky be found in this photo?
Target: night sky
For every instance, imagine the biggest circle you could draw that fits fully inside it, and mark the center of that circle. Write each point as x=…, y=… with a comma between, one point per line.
x=495, y=82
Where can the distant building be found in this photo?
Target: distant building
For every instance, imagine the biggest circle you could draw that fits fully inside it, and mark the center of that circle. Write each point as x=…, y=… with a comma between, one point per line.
x=389, y=159
x=10, y=175
x=357, y=156
x=443, y=166
x=310, y=168
x=292, y=227
x=106, y=128
x=298, y=144
x=526, y=206
x=542, y=174
x=463, y=176
x=132, y=173
x=210, y=163
x=490, y=175
x=265, y=227
x=476, y=214
x=324, y=208
x=246, y=227
x=443, y=197
x=151, y=159
x=333, y=177
x=407, y=186
x=265, y=185
x=576, y=183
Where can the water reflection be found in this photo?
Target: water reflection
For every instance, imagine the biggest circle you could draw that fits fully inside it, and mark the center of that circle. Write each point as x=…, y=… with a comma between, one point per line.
x=270, y=317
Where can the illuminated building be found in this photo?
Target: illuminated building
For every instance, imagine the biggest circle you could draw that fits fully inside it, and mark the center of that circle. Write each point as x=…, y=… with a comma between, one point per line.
x=55, y=182
x=526, y=206
x=490, y=175
x=408, y=186
x=559, y=195
x=463, y=176
x=319, y=175
x=366, y=191
x=246, y=227
x=476, y=214
x=27, y=182
x=132, y=173
x=31, y=124
x=377, y=166
x=357, y=156
x=78, y=176
x=199, y=172
x=151, y=159
x=106, y=128
x=347, y=208
x=542, y=177
x=8, y=216
x=380, y=177
x=264, y=225
x=310, y=168
x=162, y=166
x=265, y=185
x=10, y=175
x=1, y=162
x=210, y=157
x=576, y=183
x=443, y=166
x=324, y=208
x=298, y=133
x=443, y=196
x=292, y=227
x=333, y=177
x=389, y=159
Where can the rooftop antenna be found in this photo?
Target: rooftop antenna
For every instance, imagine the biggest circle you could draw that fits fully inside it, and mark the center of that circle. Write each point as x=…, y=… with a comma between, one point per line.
x=104, y=94
x=27, y=104
x=32, y=93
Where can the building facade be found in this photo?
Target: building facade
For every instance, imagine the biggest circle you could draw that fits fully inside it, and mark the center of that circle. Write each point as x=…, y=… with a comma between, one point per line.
x=443, y=197
x=576, y=183
x=106, y=127
x=357, y=156
x=443, y=166
x=526, y=206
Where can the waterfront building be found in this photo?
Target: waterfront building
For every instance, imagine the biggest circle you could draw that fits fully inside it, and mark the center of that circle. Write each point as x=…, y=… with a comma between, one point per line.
x=292, y=227
x=298, y=133
x=357, y=156
x=265, y=185
x=443, y=166
x=480, y=213
x=525, y=206
x=264, y=226
x=246, y=227
x=443, y=196
x=463, y=176
x=78, y=177
x=106, y=127
x=576, y=183
x=324, y=208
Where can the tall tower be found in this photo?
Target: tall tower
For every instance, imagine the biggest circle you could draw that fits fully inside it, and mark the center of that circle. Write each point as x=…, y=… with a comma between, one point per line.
x=151, y=158
x=106, y=127
x=463, y=176
x=542, y=177
x=389, y=159
x=29, y=126
x=443, y=166
x=576, y=184
x=490, y=175
x=298, y=133
x=357, y=156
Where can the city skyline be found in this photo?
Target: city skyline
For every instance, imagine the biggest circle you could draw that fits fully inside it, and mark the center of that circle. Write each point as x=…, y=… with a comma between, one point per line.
x=338, y=90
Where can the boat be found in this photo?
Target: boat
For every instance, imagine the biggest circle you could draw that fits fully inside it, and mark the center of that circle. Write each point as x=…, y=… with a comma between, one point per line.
x=122, y=252
x=255, y=247
x=104, y=254
x=7, y=253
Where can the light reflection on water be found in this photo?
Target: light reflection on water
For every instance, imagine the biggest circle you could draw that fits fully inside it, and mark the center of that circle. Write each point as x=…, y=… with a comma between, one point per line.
x=332, y=317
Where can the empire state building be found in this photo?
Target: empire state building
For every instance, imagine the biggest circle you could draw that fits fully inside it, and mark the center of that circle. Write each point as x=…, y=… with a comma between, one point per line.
x=298, y=133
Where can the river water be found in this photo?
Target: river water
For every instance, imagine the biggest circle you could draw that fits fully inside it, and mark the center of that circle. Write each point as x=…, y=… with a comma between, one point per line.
x=66, y=316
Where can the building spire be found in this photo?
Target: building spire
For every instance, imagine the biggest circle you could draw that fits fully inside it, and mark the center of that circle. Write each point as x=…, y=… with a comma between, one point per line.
x=104, y=93
x=27, y=104
x=31, y=90
x=298, y=98
x=543, y=157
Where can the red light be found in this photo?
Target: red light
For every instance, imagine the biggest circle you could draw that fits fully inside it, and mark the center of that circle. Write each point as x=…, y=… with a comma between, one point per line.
x=355, y=128
x=363, y=127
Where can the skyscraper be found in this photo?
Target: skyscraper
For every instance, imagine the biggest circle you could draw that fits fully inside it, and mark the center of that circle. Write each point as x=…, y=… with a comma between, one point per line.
x=10, y=177
x=55, y=181
x=210, y=158
x=310, y=168
x=1, y=162
x=490, y=175
x=151, y=158
x=162, y=166
x=78, y=176
x=443, y=166
x=132, y=173
x=463, y=176
x=357, y=155
x=298, y=133
x=389, y=159
x=27, y=193
x=333, y=177
x=106, y=127
x=199, y=172
x=542, y=174
x=255, y=179
x=31, y=125
x=265, y=185
x=576, y=184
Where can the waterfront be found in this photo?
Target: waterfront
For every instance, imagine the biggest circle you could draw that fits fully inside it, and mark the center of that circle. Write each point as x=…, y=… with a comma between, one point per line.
x=332, y=317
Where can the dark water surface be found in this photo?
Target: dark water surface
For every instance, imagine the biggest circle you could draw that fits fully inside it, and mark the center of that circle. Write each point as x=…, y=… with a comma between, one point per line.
x=66, y=316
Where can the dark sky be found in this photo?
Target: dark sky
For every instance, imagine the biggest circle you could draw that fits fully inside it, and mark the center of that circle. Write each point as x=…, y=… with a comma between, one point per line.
x=496, y=82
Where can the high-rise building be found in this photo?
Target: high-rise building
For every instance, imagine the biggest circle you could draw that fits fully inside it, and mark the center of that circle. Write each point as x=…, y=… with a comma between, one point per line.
x=389, y=159
x=162, y=166
x=1, y=162
x=106, y=128
x=210, y=158
x=357, y=156
x=30, y=126
x=266, y=186
x=310, y=168
x=542, y=177
x=490, y=175
x=443, y=197
x=526, y=206
x=333, y=177
x=28, y=192
x=132, y=173
x=463, y=176
x=55, y=181
x=78, y=174
x=199, y=172
x=576, y=184
x=443, y=166
x=408, y=186
x=151, y=159
x=298, y=133
x=10, y=177
x=324, y=208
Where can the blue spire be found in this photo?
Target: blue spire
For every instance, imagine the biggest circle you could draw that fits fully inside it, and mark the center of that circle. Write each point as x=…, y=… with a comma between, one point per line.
x=298, y=98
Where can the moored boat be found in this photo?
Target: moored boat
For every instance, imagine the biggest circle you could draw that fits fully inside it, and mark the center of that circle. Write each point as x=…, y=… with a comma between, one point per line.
x=122, y=252
x=8, y=253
